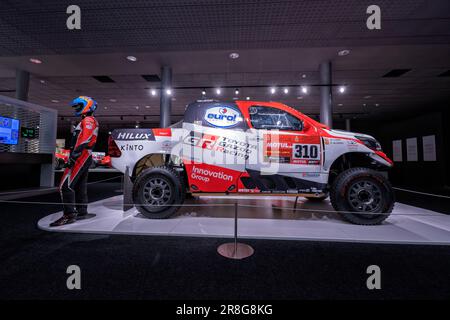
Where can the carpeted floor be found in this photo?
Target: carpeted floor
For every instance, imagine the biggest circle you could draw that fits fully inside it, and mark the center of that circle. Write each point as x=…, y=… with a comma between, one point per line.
x=34, y=262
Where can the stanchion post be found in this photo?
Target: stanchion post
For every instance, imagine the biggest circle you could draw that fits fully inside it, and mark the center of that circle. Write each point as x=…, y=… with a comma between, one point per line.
x=127, y=190
x=235, y=250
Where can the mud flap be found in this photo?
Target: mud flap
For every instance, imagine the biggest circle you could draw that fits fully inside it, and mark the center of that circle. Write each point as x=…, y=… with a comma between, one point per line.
x=127, y=191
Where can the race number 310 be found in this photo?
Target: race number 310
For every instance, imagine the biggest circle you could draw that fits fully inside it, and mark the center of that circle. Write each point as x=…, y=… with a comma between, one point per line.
x=305, y=151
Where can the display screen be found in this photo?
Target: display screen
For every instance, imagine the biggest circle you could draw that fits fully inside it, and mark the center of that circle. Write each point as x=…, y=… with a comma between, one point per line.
x=9, y=130
x=28, y=133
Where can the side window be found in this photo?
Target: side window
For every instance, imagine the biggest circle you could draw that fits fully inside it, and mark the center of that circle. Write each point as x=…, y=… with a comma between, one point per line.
x=273, y=118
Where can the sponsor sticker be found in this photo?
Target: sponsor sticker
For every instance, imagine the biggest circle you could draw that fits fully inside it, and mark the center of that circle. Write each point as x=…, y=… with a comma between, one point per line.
x=222, y=117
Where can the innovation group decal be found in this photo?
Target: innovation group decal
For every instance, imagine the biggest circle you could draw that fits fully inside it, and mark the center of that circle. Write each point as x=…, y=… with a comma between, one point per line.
x=222, y=117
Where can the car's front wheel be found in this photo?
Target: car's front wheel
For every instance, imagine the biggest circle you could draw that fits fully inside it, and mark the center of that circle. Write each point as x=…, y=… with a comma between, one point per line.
x=362, y=196
x=158, y=192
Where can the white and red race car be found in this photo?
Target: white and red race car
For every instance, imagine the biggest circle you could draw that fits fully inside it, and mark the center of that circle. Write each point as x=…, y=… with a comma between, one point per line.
x=253, y=148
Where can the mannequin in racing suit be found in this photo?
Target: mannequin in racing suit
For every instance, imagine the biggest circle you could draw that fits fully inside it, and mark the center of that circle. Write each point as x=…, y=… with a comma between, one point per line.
x=73, y=186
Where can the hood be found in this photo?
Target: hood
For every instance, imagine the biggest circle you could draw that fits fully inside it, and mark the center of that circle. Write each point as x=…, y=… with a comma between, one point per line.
x=349, y=134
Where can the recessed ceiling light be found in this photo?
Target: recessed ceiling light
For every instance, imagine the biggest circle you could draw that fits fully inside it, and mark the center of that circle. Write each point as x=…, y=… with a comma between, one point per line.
x=147, y=107
x=42, y=81
x=286, y=90
x=218, y=91
x=203, y=92
x=55, y=101
x=36, y=61
x=340, y=105
x=273, y=90
x=377, y=104
x=234, y=55
x=303, y=76
x=131, y=58
x=367, y=97
x=112, y=100
x=304, y=89
x=342, y=89
x=169, y=92
x=236, y=91
x=105, y=108
x=343, y=52
x=137, y=107
x=153, y=92
x=364, y=105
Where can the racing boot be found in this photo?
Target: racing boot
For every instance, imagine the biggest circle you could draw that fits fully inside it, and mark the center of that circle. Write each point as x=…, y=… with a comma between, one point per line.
x=65, y=219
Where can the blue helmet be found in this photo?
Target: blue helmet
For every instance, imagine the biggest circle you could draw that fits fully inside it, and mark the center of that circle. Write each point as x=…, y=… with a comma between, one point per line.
x=83, y=105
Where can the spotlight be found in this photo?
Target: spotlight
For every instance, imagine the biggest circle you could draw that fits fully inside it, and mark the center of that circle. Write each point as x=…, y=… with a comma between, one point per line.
x=343, y=53
x=236, y=92
x=132, y=58
x=286, y=90
x=273, y=90
x=342, y=89
x=153, y=92
x=248, y=98
x=304, y=89
x=218, y=91
x=234, y=55
x=55, y=101
x=203, y=92
x=112, y=100
x=169, y=92
x=35, y=61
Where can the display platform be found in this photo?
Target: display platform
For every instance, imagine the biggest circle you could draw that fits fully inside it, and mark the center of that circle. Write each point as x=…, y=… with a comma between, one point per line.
x=314, y=221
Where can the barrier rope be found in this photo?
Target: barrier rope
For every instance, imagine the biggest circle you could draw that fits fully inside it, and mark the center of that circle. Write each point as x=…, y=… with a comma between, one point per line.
x=224, y=204
x=52, y=188
x=422, y=193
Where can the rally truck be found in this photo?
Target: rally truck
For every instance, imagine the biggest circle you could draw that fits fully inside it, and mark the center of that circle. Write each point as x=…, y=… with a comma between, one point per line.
x=253, y=148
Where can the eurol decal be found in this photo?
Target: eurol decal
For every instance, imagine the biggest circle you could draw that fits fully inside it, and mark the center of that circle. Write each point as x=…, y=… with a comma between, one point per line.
x=222, y=117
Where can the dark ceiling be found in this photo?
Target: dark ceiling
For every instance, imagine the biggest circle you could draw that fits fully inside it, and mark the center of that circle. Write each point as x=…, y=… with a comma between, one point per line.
x=279, y=43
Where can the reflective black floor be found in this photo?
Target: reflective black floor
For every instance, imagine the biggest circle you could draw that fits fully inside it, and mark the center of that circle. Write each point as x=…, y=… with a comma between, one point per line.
x=34, y=262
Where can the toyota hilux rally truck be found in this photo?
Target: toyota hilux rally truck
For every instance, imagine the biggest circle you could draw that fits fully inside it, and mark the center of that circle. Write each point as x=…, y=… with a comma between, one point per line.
x=253, y=148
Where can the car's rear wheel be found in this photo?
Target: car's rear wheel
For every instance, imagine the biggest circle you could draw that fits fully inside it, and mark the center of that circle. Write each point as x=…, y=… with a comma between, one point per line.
x=362, y=196
x=158, y=192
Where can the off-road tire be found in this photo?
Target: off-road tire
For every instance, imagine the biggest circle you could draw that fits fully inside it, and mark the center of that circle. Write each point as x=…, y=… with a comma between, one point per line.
x=145, y=192
x=350, y=191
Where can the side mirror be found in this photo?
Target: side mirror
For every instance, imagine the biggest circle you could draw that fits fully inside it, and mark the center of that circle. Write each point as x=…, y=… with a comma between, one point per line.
x=306, y=125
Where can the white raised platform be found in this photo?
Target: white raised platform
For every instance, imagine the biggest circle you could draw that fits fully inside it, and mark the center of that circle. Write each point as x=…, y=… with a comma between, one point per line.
x=407, y=224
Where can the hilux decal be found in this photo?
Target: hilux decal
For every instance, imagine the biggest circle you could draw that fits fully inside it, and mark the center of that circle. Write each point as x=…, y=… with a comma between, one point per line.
x=133, y=134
